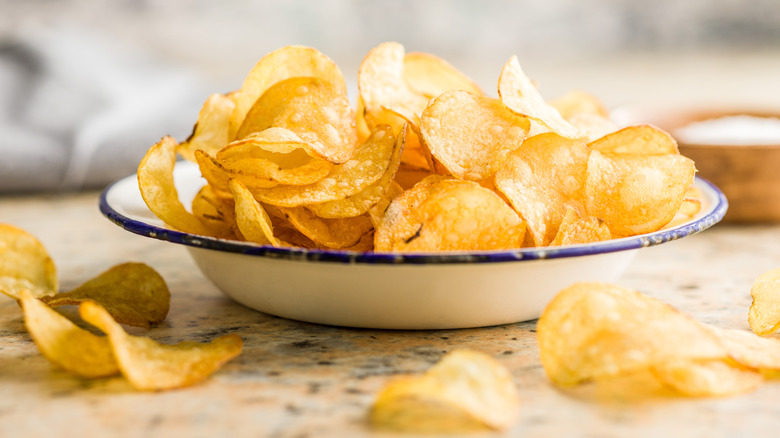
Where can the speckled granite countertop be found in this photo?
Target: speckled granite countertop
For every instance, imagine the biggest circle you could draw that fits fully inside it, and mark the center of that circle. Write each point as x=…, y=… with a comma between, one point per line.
x=299, y=379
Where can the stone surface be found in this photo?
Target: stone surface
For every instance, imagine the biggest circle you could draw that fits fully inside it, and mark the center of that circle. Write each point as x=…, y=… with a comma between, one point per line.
x=300, y=379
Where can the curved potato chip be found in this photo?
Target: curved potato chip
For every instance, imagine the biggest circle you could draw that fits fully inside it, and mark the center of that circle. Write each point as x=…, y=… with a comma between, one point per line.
x=26, y=265
x=592, y=126
x=65, y=344
x=133, y=293
x=383, y=86
x=579, y=102
x=366, y=167
x=331, y=233
x=361, y=202
x=251, y=218
x=155, y=181
x=150, y=366
x=210, y=133
x=431, y=76
x=540, y=178
x=218, y=176
x=377, y=211
x=636, y=194
x=591, y=331
x=471, y=135
x=449, y=215
x=707, y=378
x=764, y=314
x=575, y=229
x=751, y=350
x=520, y=95
x=465, y=391
x=206, y=206
x=287, y=62
x=311, y=108
x=638, y=139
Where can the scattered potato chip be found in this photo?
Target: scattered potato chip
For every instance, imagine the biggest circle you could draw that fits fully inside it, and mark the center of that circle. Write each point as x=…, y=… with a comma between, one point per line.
x=133, y=293
x=448, y=215
x=471, y=135
x=593, y=331
x=708, y=378
x=636, y=194
x=639, y=139
x=540, y=178
x=287, y=62
x=764, y=315
x=751, y=350
x=465, y=391
x=26, y=265
x=316, y=110
x=65, y=344
x=150, y=366
x=251, y=218
x=520, y=95
x=155, y=180
x=210, y=133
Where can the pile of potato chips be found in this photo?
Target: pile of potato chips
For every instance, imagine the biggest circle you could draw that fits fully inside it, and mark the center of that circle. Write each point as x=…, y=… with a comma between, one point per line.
x=131, y=293
x=426, y=162
x=621, y=339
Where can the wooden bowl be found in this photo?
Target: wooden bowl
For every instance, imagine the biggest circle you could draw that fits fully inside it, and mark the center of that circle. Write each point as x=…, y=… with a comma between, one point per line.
x=748, y=174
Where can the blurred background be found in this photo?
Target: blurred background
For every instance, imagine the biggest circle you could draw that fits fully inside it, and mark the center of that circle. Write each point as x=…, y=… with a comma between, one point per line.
x=86, y=86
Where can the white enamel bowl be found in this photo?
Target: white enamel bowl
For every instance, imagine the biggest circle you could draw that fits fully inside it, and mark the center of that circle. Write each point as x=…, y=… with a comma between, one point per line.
x=393, y=291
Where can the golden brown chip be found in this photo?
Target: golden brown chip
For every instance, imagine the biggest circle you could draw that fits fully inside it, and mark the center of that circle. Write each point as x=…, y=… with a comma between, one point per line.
x=751, y=350
x=287, y=62
x=431, y=76
x=520, y=95
x=316, y=110
x=210, y=133
x=330, y=233
x=26, y=265
x=579, y=102
x=575, y=229
x=465, y=391
x=155, y=181
x=65, y=344
x=377, y=211
x=206, y=206
x=251, y=218
x=366, y=167
x=591, y=331
x=540, y=178
x=133, y=293
x=764, y=315
x=471, y=135
x=449, y=215
x=150, y=366
x=639, y=139
x=636, y=194
x=360, y=203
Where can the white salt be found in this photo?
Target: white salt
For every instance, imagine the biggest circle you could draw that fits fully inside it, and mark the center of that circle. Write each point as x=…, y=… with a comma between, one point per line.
x=738, y=130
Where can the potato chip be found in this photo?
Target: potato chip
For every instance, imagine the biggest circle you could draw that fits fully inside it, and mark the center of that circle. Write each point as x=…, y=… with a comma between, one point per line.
x=133, y=293
x=465, y=391
x=540, y=178
x=206, y=206
x=316, y=110
x=330, y=233
x=448, y=215
x=25, y=264
x=210, y=133
x=366, y=167
x=150, y=366
x=636, y=193
x=592, y=126
x=254, y=157
x=591, y=331
x=579, y=102
x=251, y=218
x=575, y=229
x=155, y=181
x=65, y=344
x=377, y=211
x=707, y=378
x=287, y=62
x=471, y=135
x=764, y=315
x=520, y=95
x=361, y=202
x=638, y=139
x=382, y=85
x=431, y=76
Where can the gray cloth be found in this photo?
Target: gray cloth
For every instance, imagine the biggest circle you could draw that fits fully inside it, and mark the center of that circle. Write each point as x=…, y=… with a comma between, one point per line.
x=77, y=111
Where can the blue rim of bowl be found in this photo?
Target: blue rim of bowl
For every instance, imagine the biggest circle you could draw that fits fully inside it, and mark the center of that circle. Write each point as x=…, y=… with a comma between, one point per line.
x=340, y=256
